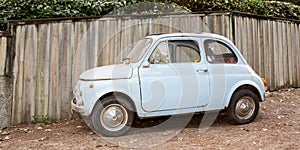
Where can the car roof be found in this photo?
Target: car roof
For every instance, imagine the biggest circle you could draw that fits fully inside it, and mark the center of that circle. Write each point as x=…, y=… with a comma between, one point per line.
x=204, y=34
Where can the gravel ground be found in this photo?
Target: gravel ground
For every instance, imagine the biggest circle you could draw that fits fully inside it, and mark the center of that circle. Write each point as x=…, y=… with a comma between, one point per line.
x=276, y=127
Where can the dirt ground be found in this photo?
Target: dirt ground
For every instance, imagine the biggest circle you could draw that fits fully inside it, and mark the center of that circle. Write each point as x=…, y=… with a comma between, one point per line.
x=276, y=127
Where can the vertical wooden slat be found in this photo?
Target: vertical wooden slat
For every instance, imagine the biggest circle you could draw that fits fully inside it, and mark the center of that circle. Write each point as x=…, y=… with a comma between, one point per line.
x=96, y=43
x=41, y=50
x=47, y=69
x=88, y=38
x=263, y=39
x=287, y=54
x=292, y=72
x=278, y=61
x=16, y=74
x=53, y=70
x=65, y=83
x=297, y=49
x=194, y=24
x=248, y=27
x=3, y=46
x=270, y=53
x=176, y=23
x=256, y=45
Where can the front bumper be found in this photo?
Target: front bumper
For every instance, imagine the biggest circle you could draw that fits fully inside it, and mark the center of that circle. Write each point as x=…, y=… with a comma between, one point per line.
x=76, y=107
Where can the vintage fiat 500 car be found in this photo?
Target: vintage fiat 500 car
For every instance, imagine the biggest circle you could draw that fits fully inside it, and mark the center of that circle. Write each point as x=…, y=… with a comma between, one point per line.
x=169, y=74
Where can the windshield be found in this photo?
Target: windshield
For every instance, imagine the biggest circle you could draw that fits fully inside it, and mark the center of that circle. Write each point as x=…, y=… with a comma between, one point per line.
x=138, y=50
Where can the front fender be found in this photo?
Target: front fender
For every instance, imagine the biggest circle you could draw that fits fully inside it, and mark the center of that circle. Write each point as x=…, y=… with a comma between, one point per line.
x=102, y=88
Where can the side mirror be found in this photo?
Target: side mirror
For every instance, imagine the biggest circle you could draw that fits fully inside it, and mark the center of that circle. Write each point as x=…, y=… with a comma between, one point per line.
x=146, y=65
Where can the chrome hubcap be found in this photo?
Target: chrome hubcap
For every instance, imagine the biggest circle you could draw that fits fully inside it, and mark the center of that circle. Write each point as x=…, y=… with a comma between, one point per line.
x=114, y=117
x=245, y=107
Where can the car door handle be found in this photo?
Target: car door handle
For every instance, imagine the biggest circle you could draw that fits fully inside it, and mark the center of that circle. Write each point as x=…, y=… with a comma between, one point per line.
x=202, y=70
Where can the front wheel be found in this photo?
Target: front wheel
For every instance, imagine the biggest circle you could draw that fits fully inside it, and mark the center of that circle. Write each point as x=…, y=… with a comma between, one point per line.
x=243, y=107
x=112, y=116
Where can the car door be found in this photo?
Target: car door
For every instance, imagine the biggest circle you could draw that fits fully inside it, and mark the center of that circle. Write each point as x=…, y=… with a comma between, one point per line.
x=224, y=70
x=176, y=77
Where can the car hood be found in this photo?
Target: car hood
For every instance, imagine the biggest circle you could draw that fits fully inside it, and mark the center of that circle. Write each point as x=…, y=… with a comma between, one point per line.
x=121, y=71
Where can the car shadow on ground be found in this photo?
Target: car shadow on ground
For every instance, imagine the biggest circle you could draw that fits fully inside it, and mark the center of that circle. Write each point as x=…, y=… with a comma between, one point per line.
x=177, y=123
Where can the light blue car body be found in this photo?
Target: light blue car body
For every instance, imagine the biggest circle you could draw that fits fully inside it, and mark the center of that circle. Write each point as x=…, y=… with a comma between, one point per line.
x=172, y=88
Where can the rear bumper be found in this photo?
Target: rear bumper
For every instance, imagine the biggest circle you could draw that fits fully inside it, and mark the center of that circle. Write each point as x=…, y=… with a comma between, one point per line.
x=75, y=107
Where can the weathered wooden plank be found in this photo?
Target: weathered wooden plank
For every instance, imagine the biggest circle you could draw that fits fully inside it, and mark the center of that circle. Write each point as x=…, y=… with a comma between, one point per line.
x=54, y=71
x=270, y=54
x=3, y=49
x=41, y=51
x=184, y=24
x=274, y=55
x=228, y=27
x=69, y=90
x=287, y=49
x=218, y=24
x=106, y=58
x=176, y=24
x=262, y=48
x=89, y=35
x=248, y=40
x=96, y=43
x=284, y=57
x=79, y=48
x=47, y=69
x=244, y=38
x=291, y=53
x=30, y=74
x=236, y=32
x=279, y=54
x=256, y=46
x=117, y=39
x=75, y=60
x=297, y=49
x=17, y=97
x=164, y=27
x=156, y=25
x=102, y=42
x=65, y=71
x=111, y=41
x=194, y=24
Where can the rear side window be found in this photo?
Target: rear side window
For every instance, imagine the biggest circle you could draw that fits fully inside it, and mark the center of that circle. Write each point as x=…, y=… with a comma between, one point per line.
x=218, y=52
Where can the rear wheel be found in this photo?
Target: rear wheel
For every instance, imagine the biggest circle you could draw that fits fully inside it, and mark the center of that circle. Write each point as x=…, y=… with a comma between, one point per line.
x=112, y=116
x=243, y=107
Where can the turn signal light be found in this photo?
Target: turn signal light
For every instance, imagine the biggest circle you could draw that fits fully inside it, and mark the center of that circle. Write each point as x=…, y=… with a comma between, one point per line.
x=265, y=83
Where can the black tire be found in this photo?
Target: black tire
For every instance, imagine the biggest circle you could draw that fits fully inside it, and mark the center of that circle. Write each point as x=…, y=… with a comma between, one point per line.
x=88, y=122
x=107, y=125
x=243, y=107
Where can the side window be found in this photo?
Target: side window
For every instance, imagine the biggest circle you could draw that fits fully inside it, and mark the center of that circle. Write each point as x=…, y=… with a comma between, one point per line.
x=184, y=51
x=218, y=52
x=186, y=54
x=161, y=54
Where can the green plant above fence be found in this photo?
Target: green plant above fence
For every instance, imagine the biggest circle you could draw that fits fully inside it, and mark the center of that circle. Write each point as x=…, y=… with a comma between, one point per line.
x=266, y=8
x=33, y=9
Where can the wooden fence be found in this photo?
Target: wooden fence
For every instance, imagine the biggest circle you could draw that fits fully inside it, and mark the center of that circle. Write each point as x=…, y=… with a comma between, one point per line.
x=50, y=54
x=3, y=48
